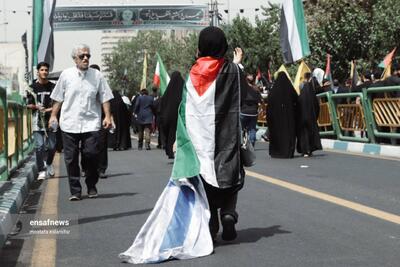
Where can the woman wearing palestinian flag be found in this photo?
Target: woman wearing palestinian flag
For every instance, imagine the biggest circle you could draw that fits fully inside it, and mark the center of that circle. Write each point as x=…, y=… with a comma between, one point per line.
x=207, y=172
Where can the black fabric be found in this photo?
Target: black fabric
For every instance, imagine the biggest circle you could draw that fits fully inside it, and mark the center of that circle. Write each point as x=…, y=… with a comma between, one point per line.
x=281, y=118
x=157, y=121
x=103, y=153
x=250, y=103
x=393, y=80
x=228, y=167
x=134, y=122
x=284, y=39
x=308, y=139
x=212, y=43
x=169, y=106
x=360, y=87
x=89, y=144
x=223, y=199
x=42, y=92
x=121, y=138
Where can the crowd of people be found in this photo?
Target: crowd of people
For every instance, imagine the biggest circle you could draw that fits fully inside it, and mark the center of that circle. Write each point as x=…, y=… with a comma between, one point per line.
x=200, y=123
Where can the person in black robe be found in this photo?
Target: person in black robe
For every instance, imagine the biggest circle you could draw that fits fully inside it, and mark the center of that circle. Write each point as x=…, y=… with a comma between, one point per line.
x=120, y=139
x=308, y=139
x=281, y=118
x=169, y=111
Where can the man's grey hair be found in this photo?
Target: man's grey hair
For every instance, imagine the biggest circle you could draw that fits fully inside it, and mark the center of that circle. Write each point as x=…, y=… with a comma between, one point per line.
x=77, y=48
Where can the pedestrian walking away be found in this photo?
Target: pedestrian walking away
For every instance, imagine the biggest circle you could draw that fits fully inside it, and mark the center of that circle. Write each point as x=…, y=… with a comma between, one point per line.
x=144, y=117
x=207, y=172
x=81, y=92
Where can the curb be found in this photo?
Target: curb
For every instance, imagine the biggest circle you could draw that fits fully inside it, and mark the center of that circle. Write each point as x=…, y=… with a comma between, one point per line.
x=354, y=147
x=364, y=148
x=12, y=195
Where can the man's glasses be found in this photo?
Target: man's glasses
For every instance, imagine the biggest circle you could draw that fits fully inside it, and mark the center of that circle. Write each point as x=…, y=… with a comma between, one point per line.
x=82, y=56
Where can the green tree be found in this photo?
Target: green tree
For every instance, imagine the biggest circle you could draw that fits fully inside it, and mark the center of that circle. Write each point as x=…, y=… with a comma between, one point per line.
x=385, y=28
x=125, y=64
x=340, y=28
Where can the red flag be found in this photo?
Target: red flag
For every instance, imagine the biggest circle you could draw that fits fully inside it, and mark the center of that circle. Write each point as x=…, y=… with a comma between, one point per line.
x=388, y=59
x=258, y=76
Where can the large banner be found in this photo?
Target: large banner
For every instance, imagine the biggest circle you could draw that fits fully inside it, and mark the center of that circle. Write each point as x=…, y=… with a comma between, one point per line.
x=113, y=17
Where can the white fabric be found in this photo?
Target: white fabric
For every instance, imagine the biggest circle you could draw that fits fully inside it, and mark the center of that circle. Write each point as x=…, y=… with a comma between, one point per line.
x=81, y=94
x=200, y=125
x=188, y=216
x=126, y=100
x=319, y=74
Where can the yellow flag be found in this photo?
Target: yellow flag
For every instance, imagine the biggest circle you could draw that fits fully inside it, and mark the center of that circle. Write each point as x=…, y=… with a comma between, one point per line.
x=303, y=68
x=282, y=69
x=144, y=77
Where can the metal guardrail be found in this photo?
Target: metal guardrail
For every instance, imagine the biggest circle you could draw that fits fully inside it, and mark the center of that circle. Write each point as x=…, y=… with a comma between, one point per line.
x=3, y=134
x=384, y=111
x=360, y=117
x=326, y=120
x=15, y=133
x=363, y=116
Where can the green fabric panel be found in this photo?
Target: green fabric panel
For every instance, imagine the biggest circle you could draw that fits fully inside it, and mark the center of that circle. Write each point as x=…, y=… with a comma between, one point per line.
x=186, y=163
x=301, y=26
x=37, y=28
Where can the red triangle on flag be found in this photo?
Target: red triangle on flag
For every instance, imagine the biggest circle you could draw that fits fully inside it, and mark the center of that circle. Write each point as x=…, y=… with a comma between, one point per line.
x=204, y=72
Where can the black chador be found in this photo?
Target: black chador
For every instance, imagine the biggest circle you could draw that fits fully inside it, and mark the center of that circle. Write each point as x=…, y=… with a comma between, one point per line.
x=281, y=118
x=169, y=111
x=308, y=139
x=121, y=138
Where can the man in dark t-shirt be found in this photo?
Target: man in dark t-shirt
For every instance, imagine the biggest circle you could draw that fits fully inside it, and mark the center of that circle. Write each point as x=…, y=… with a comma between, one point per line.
x=39, y=101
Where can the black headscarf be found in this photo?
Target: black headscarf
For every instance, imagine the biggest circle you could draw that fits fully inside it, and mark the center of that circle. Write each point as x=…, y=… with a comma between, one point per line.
x=212, y=43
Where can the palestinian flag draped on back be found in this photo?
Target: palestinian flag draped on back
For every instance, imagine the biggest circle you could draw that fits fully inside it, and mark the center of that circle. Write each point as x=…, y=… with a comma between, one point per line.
x=208, y=135
x=161, y=77
x=293, y=31
x=42, y=36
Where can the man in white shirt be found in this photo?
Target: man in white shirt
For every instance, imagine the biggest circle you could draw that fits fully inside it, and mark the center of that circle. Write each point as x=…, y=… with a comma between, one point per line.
x=80, y=93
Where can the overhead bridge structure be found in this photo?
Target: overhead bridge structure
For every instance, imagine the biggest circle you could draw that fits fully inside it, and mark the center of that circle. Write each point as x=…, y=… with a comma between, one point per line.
x=140, y=16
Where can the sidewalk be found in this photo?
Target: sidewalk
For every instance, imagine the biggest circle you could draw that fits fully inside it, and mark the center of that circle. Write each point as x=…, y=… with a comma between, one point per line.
x=353, y=147
x=12, y=196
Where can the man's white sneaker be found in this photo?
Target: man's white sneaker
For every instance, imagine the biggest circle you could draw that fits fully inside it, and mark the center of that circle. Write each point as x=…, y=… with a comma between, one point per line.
x=42, y=175
x=50, y=170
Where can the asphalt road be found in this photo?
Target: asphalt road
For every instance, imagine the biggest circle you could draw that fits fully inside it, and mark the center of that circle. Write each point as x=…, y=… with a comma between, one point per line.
x=279, y=224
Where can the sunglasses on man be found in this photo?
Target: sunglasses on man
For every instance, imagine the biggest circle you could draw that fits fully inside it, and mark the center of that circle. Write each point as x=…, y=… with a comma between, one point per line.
x=82, y=56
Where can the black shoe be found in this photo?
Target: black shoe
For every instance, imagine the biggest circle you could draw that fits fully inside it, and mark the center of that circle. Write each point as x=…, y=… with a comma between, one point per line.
x=76, y=197
x=171, y=157
x=92, y=193
x=103, y=175
x=140, y=148
x=148, y=148
x=265, y=138
x=229, y=231
x=158, y=146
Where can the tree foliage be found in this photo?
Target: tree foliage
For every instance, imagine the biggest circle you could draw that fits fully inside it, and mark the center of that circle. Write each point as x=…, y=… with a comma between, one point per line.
x=125, y=64
x=365, y=30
